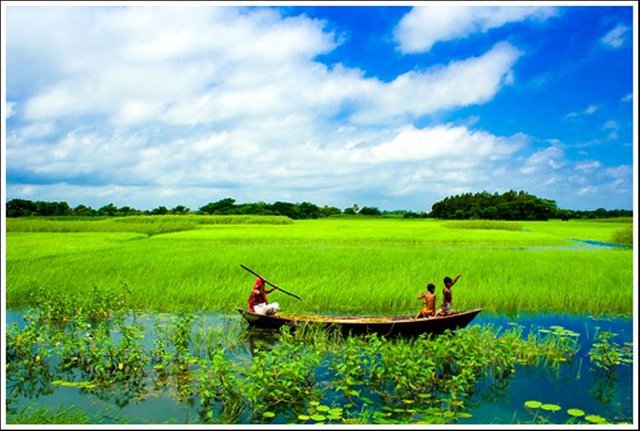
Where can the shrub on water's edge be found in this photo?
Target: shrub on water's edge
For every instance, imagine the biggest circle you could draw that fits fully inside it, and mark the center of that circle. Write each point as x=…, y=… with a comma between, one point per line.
x=624, y=236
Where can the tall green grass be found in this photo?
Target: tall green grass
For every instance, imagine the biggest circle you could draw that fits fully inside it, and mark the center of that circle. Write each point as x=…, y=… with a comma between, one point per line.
x=485, y=224
x=370, y=266
x=148, y=225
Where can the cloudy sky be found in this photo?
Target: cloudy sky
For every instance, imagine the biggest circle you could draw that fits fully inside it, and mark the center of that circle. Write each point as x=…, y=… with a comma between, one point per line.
x=394, y=107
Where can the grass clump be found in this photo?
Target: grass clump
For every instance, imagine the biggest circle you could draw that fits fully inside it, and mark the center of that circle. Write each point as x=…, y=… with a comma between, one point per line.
x=30, y=415
x=624, y=236
x=485, y=224
x=149, y=226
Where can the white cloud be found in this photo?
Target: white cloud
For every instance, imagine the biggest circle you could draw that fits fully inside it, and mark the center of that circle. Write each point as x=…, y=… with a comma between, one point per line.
x=424, y=26
x=616, y=37
x=611, y=124
x=627, y=98
x=621, y=171
x=442, y=142
x=589, y=110
x=588, y=190
x=588, y=166
x=9, y=109
x=550, y=157
x=612, y=127
x=461, y=83
x=201, y=66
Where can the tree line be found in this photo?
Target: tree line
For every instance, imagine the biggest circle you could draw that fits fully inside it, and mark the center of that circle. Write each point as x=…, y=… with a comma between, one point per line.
x=227, y=206
x=510, y=205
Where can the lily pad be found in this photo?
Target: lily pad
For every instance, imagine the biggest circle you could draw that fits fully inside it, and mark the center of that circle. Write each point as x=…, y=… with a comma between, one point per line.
x=268, y=414
x=550, y=407
x=595, y=419
x=304, y=417
x=532, y=404
x=575, y=412
x=318, y=417
x=323, y=408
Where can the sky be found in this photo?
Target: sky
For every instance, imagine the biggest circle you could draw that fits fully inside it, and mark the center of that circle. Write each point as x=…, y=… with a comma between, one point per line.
x=394, y=107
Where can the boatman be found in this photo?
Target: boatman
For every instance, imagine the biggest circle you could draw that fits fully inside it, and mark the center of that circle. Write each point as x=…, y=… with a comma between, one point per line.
x=258, y=302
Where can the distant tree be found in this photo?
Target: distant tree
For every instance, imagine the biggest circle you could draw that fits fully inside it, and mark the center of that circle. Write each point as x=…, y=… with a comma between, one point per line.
x=83, y=210
x=223, y=206
x=180, y=209
x=327, y=211
x=349, y=211
x=127, y=211
x=161, y=210
x=372, y=211
x=306, y=210
x=108, y=210
x=510, y=205
x=283, y=208
x=20, y=208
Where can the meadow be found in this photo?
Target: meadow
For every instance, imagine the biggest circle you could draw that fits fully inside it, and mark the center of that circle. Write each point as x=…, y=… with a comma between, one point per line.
x=340, y=265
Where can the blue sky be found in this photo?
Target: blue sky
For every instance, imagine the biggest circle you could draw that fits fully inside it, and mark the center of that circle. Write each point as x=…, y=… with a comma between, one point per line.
x=388, y=106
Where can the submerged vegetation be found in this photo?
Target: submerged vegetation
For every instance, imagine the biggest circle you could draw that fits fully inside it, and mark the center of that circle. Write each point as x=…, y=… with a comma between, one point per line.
x=98, y=347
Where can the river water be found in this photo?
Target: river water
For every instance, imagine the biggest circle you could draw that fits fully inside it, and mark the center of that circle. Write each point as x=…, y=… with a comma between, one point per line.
x=575, y=385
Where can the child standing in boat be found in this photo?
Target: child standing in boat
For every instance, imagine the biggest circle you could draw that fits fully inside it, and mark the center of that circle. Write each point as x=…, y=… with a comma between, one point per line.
x=258, y=302
x=429, y=302
x=447, y=298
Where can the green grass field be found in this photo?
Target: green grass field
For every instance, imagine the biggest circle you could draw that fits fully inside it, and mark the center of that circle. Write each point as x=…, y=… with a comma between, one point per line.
x=342, y=265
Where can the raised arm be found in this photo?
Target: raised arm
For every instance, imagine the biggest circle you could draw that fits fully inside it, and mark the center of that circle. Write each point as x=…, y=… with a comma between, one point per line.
x=456, y=278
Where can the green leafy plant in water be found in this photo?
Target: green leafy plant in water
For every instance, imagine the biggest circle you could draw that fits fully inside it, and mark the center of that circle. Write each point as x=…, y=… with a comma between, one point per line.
x=606, y=355
x=321, y=413
x=281, y=377
x=220, y=390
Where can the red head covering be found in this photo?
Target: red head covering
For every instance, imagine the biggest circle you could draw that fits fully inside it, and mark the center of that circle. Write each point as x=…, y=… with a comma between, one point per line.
x=258, y=283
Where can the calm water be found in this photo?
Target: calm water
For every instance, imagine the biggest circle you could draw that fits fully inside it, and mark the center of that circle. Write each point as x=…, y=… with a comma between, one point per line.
x=572, y=385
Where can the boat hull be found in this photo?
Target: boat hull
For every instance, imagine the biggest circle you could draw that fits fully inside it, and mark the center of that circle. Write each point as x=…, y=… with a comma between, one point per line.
x=389, y=326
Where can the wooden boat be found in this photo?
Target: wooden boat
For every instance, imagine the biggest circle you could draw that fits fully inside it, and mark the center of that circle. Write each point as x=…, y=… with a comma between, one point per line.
x=387, y=325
